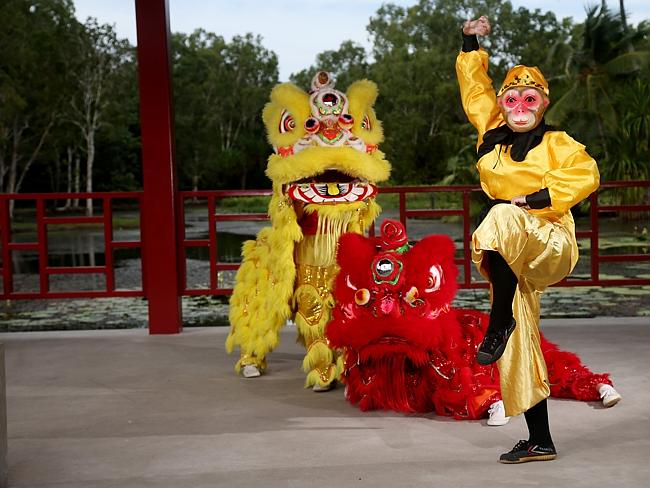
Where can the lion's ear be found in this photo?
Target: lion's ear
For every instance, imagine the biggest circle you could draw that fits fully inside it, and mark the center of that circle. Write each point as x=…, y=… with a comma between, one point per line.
x=361, y=98
x=435, y=249
x=284, y=116
x=355, y=252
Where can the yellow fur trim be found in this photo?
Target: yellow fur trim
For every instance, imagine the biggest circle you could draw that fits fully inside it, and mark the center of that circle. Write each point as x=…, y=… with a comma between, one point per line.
x=266, y=293
x=260, y=304
x=319, y=355
x=289, y=97
x=322, y=377
x=361, y=96
x=316, y=160
x=245, y=360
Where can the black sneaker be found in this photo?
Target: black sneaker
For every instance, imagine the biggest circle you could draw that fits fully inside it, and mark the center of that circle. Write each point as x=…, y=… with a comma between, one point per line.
x=493, y=345
x=524, y=451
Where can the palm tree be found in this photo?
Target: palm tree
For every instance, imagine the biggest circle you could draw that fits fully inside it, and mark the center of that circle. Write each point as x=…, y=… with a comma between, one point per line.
x=606, y=56
x=622, y=11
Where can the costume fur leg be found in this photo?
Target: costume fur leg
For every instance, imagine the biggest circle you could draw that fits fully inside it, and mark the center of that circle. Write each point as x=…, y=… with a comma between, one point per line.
x=260, y=304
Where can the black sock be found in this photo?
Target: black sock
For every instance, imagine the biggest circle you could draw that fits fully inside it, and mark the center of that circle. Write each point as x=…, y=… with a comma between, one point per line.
x=504, y=284
x=538, y=428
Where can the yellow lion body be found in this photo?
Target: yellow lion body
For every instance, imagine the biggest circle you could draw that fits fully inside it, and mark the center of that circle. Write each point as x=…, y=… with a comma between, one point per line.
x=288, y=271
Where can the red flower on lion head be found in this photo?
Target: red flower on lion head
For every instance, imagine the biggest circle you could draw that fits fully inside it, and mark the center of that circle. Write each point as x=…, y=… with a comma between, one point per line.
x=393, y=235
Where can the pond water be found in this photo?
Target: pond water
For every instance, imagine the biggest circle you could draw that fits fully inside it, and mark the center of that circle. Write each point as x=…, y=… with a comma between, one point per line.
x=85, y=246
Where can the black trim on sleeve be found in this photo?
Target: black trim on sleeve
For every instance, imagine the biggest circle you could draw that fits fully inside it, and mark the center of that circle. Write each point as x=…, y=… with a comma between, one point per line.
x=539, y=199
x=470, y=43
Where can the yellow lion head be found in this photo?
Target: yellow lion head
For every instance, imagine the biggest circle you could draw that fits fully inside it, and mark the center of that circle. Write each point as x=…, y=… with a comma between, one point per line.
x=325, y=142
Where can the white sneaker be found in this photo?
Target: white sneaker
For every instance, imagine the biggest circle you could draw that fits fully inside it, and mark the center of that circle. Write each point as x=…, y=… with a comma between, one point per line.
x=609, y=395
x=250, y=371
x=321, y=388
x=497, y=414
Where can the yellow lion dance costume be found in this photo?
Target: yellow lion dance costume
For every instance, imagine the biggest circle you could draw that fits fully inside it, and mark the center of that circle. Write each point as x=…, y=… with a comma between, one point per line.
x=324, y=169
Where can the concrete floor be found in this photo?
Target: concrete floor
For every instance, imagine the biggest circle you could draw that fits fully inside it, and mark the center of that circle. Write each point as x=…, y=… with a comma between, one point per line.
x=120, y=408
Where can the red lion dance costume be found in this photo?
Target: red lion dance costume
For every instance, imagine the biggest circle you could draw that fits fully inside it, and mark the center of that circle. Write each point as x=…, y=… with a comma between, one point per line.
x=405, y=348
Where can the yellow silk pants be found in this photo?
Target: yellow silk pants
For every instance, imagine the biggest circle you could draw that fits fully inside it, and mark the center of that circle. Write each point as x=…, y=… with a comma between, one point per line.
x=540, y=252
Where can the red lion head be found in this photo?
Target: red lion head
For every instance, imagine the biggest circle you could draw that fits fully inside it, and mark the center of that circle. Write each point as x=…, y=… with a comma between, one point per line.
x=393, y=318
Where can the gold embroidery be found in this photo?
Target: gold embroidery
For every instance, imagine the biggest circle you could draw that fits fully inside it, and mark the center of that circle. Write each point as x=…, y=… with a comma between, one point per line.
x=313, y=285
x=325, y=374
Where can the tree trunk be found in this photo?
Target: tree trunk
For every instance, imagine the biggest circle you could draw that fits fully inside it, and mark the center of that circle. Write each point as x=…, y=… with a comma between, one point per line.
x=242, y=180
x=195, y=185
x=89, y=171
x=13, y=165
x=68, y=186
x=601, y=133
x=15, y=179
x=4, y=135
x=77, y=180
x=623, y=17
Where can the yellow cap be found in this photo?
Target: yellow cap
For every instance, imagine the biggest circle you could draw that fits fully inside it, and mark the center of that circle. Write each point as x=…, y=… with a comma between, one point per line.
x=521, y=75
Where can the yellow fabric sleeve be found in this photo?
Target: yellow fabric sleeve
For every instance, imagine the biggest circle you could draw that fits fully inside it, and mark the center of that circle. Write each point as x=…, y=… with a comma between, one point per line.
x=477, y=92
x=576, y=175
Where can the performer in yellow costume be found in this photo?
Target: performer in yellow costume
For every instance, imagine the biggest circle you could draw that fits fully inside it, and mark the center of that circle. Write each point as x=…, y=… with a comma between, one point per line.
x=324, y=169
x=533, y=174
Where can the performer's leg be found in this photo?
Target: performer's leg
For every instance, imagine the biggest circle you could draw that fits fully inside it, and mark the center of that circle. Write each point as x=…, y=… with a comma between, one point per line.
x=314, y=303
x=502, y=323
x=538, y=428
x=504, y=284
x=539, y=446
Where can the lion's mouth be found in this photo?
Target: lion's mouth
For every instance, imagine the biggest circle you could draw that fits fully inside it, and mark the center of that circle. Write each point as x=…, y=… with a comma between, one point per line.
x=328, y=176
x=331, y=187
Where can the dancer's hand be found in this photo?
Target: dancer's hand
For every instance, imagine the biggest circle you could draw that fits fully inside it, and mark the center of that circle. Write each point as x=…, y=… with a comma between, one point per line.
x=520, y=202
x=480, y=26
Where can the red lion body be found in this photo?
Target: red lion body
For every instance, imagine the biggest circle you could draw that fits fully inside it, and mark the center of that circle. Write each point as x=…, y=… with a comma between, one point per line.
x=405, y=348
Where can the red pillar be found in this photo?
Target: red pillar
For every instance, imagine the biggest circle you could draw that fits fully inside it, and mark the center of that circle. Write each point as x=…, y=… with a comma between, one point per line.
x=160, y=246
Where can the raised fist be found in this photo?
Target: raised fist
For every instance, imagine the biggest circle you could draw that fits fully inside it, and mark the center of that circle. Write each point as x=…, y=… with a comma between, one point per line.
x=480, y=26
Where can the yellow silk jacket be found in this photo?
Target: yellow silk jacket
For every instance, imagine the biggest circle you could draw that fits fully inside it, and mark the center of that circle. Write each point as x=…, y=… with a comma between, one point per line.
x=558, y=163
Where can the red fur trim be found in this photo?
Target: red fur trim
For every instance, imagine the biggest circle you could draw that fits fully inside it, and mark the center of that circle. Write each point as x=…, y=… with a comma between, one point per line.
x=568, y=377
x=406, y=350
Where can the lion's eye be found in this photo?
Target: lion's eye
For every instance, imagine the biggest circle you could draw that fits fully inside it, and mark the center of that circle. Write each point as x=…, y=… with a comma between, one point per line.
x=385, y=267
x=365, y=123
x=362, y=296
x=434, y=280
x=287, y=122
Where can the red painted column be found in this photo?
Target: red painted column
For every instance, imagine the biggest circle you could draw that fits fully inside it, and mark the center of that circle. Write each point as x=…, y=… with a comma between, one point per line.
x=159, y=236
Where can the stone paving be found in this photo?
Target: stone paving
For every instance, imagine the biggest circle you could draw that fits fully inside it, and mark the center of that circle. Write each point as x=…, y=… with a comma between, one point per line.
x=123, y=313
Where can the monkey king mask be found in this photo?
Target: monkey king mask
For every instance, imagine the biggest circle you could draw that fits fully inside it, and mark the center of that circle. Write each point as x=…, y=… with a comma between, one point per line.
x=523, y=98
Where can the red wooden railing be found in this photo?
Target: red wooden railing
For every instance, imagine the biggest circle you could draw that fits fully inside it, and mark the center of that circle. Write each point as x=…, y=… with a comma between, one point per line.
x=45, y=220
x=405, y=213
x=214, y=217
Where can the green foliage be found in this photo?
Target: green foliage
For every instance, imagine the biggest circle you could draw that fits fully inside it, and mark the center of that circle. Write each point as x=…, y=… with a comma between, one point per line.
x=243, y=204
x=428, y=139
x=605, y=84
x=599, y=73
x=347, y=64
x=36, y=46
x=219, y=91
